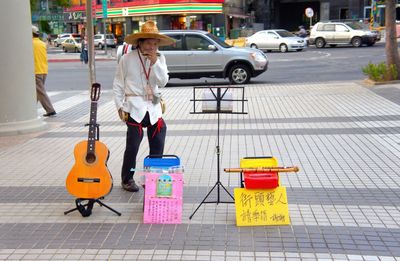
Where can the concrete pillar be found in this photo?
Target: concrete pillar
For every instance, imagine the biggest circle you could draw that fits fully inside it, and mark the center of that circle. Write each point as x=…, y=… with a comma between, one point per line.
x=324, y=12
x=18, y=107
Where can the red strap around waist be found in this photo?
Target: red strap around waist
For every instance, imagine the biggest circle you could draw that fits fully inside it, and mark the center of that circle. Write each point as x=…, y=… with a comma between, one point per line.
x=140, y=126
x=158, y=128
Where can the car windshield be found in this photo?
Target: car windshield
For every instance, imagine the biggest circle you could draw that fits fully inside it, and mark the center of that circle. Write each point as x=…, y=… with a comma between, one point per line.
x=285, y=33
x=355, y=26
x=218, y=41
x=78, y=40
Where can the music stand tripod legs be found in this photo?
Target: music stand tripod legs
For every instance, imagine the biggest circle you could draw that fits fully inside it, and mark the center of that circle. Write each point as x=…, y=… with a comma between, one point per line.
x=218, y=98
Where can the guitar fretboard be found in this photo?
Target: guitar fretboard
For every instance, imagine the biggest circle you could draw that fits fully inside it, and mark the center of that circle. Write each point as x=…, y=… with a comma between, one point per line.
x=92, y=129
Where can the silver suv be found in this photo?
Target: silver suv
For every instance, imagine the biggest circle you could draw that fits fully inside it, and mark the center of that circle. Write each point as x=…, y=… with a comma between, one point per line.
x=100, y=42
x=198, y=54
x=334, y=33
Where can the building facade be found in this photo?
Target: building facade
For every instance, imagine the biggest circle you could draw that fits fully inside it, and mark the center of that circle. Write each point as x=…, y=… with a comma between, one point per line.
x=289, y=14
x=47, y=14
x=122, y=17
x=231, y=18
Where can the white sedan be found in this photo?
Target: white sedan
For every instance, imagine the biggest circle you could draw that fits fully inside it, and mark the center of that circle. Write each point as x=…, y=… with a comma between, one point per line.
x=279, y=39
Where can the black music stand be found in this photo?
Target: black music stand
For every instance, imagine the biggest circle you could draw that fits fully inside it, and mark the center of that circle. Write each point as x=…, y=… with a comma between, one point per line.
x=218, y=93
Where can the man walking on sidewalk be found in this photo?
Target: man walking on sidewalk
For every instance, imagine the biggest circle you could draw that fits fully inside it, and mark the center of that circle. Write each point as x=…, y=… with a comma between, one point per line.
x=41, y=70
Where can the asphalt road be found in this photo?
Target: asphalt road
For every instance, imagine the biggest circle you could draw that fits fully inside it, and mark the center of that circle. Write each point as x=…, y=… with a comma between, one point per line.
x=310, y=65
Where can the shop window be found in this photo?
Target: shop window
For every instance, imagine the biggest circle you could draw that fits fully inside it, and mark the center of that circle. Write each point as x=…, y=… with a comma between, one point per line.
x=344, y=13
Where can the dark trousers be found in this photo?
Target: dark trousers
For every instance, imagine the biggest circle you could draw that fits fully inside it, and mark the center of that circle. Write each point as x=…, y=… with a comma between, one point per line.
x=156, y=136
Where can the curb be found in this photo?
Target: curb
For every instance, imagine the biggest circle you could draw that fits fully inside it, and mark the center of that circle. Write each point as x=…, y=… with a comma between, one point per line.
x=75, y=60
x=371, y=83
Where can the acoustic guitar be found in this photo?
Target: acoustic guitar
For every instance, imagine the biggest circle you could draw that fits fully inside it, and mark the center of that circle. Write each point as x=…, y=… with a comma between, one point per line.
x=90, y=178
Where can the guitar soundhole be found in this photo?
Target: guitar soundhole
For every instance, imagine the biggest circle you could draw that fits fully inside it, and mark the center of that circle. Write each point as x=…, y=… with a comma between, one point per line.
x=90, y=158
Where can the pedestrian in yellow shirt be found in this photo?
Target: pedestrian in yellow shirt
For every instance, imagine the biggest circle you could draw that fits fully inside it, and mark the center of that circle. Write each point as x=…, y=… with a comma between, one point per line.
x=41, y=70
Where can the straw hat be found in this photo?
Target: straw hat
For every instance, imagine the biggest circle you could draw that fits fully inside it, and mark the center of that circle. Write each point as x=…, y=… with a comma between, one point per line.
x=149, y=30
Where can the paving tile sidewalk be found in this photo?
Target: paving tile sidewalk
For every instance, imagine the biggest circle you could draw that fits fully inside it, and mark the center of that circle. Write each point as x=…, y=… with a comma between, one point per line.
x=344, y=203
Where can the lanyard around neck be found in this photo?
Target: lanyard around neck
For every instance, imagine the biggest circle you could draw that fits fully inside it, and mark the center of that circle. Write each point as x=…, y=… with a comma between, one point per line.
x=147, y=74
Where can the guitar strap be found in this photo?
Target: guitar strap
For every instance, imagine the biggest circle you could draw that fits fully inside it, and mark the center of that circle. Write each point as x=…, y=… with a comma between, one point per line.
x=84, y=209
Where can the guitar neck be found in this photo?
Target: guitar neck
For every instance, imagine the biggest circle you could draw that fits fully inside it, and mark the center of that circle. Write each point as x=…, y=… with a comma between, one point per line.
x=92, y=129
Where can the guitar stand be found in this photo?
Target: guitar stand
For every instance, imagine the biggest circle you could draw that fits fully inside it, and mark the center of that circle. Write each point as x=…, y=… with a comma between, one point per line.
x=218, y=98
x=86, y=209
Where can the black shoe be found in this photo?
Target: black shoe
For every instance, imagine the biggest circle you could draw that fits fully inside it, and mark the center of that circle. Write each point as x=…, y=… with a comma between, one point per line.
x=49, y=114
x=130, y=186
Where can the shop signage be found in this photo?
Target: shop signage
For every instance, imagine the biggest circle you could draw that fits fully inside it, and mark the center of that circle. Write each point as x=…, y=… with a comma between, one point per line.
x=73, y=16
x=51, y=17
x=184, y=8
x=104, y=5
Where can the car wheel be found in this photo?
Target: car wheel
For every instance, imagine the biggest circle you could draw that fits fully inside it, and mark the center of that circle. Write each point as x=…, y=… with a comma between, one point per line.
x=283, y=48
x=239, y=74
x=254, y=46
x=76, y=50
x=100, y=46
x=356, y=41
x=65, y=50
x=320, y=43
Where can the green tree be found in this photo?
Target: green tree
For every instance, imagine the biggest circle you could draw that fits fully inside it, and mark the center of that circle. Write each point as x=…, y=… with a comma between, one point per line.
x=392, y=52
x=44, y=26
x=33, y=5
x=63, y=3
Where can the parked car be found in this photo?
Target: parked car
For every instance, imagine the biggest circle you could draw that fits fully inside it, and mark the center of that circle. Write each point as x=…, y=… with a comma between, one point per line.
x=100, y=41
x=72, y=45
x=334, y=33
x=276, y=40
x=198, y=54
x=62, y=37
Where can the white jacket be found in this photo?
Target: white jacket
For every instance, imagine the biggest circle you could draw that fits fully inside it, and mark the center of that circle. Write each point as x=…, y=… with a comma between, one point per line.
x=130, y=78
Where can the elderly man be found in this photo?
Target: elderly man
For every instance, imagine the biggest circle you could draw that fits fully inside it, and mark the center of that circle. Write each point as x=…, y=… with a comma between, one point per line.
x=139, y=75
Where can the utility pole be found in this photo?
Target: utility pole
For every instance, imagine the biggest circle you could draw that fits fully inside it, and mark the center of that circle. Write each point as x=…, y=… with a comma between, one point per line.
x=89, y=34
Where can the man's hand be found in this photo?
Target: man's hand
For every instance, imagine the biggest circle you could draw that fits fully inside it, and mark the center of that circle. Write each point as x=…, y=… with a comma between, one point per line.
x=152, y=56
x=123, y=115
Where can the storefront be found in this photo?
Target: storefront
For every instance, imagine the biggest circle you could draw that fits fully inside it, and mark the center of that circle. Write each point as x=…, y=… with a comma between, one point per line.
x=125, y=17
x=55, y=21
x=75, y=22
x=379, y=12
